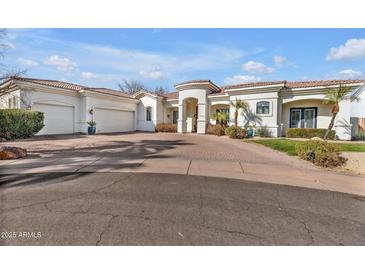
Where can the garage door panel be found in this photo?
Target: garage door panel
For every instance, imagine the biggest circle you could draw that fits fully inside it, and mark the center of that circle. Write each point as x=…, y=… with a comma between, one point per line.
x=58, y=119
x=108, y=120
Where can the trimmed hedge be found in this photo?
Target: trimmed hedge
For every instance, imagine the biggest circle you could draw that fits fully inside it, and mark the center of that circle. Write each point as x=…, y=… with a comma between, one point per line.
x=263, y=131
x=215, y=130
x=236, y=132
x=166, y=128
x=20, y=124
x=309, y=133
x=320, y=153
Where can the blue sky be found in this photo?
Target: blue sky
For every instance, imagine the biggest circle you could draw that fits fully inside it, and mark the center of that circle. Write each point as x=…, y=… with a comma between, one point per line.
x=164, y=57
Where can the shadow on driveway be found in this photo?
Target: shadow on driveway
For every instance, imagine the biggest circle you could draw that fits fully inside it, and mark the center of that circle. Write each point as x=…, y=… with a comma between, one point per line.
x=16, y=180
x=121, y=149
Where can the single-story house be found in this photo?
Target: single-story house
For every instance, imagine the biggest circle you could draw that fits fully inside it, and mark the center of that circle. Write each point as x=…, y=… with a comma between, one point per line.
x=277, y=105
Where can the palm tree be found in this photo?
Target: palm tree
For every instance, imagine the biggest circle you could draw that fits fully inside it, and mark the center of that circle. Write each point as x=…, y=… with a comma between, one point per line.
x=333, y=97
x=237, y=105
x=220, y=117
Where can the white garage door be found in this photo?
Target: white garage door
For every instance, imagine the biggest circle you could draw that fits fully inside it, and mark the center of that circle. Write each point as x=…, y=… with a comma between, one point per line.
x=108, y=120
x=58, y=119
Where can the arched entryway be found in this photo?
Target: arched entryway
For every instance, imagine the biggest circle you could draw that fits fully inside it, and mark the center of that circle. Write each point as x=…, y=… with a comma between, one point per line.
x=193, y=111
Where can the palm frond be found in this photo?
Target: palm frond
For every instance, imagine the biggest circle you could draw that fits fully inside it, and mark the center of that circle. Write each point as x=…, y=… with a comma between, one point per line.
x=239, y=104
x=336, y=95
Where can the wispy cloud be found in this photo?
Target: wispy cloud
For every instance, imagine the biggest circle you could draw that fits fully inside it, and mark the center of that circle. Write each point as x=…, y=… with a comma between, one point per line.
x=62, y=64
x=256, y=67
x=350, y=74
x=237, y=79
x=279, y=60
x=155, y=65
x=155, y=73
x=27, y=62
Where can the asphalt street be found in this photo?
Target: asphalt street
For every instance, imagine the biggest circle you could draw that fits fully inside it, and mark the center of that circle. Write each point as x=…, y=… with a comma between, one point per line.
x=167, y=209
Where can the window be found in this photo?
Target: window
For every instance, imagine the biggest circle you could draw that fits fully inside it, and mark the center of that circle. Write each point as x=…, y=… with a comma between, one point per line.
x=13, y=102
x=303, y=117
x=263, y=107
x=148, y=114
x=175, y=116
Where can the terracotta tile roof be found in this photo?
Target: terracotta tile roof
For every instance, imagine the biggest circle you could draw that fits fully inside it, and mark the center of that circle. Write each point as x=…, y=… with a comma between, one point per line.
x=71, y=86
x=51, y=83
x=307, y=84
x=172, y=95
x=194, y=81
x=110, y=92
x=254, y=84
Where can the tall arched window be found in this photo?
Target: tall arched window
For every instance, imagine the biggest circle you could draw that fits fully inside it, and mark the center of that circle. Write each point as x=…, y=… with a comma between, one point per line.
x=148, y=114
x=263, y=107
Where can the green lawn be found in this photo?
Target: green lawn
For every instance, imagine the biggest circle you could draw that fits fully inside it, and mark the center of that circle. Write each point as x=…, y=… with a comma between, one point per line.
x=288, y=146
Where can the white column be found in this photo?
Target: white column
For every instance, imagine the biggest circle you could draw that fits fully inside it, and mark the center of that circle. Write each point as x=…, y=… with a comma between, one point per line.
x=343, y=125
x=202, y=118
x=181, y=123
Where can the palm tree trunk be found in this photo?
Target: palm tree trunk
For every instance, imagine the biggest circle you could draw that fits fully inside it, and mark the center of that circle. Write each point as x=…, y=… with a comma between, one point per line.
x=235, y=118
x=330, y=126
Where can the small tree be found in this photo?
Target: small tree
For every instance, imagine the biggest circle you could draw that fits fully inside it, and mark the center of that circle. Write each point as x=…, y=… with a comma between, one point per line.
x=160, y=90
x=131, y=87
x=333, y=97
x=220, y=117
x=237, y=105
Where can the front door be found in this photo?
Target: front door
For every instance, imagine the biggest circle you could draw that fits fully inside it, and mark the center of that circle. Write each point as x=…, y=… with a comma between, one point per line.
x=295, y=118
x=309, y=118
x=195, y=120
x=175, y=116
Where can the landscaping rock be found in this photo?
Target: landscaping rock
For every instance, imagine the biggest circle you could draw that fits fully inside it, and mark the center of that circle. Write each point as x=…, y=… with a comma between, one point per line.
x=10, y=153
x=317, y=139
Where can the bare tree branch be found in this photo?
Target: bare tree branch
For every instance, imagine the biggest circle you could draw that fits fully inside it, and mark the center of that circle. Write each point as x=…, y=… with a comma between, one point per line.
x=131, y=87
x=160, y=90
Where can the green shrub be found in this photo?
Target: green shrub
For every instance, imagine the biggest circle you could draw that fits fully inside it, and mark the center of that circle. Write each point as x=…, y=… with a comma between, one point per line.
x=320, y=153
x=309, y=133
x=236, y=132
x=19, y=124
x=91, y=123
x=166, y=128
x=263, y=131
x=215, y=129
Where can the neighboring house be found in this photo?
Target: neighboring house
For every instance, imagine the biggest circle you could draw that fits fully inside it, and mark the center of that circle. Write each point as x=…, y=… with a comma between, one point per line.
x=278, y=105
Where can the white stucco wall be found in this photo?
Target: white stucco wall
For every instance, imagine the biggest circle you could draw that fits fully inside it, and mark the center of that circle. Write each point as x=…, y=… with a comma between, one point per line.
x=269, y=120
x=4, y=100
x=358, y=107
x=142, y=123
x=343, y=124
x=95, y=100
x=201, y=96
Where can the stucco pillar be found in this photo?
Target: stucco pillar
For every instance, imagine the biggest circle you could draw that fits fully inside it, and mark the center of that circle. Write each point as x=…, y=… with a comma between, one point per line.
x=181, y=123
x=202, y=118
x=343, y=124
